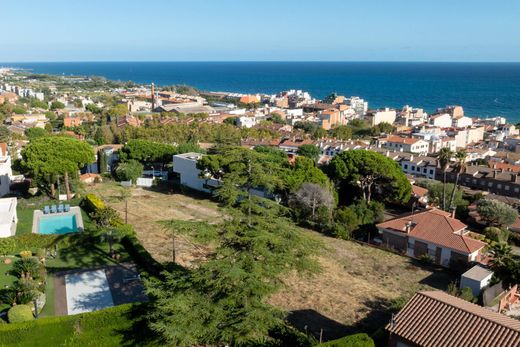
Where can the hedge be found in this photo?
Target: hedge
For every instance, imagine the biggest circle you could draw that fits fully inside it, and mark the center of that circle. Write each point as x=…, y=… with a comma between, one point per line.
x=357, y=340
x=20, y=313
x=107, y=327
x=33, y=242
x=92, y=203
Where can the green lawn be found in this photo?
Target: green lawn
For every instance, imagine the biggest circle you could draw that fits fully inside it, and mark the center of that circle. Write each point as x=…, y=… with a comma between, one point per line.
x=6, y=279
x=48, y=309
x=114, y=326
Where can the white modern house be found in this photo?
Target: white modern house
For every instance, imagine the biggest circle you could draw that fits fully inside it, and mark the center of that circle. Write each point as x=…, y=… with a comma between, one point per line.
x=8, y=217
x=186, y=166
x=6, y=173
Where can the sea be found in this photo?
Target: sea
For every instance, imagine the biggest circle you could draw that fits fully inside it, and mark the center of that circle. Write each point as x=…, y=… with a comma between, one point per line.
x=483, y=89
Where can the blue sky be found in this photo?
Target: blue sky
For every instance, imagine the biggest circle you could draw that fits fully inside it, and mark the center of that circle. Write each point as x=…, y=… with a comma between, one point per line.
x=361, y=30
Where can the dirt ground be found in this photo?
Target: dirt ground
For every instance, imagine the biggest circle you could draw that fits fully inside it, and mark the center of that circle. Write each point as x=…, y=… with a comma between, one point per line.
x=354, y=289
x=146, y=208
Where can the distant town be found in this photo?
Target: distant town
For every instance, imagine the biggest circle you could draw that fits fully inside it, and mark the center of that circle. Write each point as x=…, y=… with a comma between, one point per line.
x=390, y=227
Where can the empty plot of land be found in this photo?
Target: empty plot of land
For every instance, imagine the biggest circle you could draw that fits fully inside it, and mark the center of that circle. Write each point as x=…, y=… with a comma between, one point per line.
x=87, y=291
x=355, y=287
x=146, y=208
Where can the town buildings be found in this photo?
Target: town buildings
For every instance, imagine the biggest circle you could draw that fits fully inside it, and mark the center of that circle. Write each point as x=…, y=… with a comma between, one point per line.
x=404, y=144
x=375, y=117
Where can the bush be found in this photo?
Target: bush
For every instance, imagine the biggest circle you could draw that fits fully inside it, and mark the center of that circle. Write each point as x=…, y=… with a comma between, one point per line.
x=129, y=171
x=467, y=294
x=25, y=254
x=20, y=313
x=357, y=340
x=34, y=242
x=497, y=234
x=7, y=245
x=92, y=203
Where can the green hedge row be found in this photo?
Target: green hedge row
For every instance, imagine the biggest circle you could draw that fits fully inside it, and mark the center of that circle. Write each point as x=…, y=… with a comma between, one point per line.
x=106, y=327
x=357, y=340
x=92, y=203
x=26, y=242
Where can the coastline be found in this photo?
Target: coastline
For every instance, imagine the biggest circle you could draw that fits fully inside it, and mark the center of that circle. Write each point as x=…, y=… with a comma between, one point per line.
x=483, y=89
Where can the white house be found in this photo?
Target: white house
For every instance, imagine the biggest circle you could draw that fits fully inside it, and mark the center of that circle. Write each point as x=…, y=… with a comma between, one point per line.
x=442, y=120
x=381, y=116
x=405, y=144
x=186, y=166
x=6, y=173
x=8, y=217
x=462, y=122
x=476, y=279
x=246, y=122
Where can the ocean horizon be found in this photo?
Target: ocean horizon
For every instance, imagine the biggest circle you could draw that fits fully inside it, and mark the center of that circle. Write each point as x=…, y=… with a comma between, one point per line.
x=483, y=89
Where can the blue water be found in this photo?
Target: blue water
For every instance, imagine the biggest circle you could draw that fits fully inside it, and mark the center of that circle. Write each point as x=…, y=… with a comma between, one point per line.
x=484, y=89
x=57, y=224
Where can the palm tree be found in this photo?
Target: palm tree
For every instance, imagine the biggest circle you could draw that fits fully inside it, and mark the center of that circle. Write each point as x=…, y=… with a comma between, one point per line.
x=501, y=253
x=460, y=158
x=445, y=155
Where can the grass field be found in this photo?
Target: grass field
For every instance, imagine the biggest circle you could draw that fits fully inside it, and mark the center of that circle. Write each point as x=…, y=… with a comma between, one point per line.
x=146, y=208
x=355, y=288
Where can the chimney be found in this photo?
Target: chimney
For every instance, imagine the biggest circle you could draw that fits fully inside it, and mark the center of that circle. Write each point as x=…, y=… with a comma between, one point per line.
x=408, y=226
x=494, y=173
x=515, y=178
x=411, y=157
x=453, y=209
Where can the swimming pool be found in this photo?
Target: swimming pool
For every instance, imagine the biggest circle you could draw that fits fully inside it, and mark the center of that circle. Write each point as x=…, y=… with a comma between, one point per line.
x=58, y=224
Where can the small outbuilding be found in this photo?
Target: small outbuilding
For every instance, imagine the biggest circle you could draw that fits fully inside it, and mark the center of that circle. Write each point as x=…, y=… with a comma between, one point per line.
x=476, y=278
x=8, y=217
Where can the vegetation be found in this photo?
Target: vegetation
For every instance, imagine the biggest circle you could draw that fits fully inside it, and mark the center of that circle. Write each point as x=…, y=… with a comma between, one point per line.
x=20, y=313
x=129, y=171
x=145, y=151
x=370, y=174
x=309, y=151
x=496, y=213
x=357, y=340
x=46, y=158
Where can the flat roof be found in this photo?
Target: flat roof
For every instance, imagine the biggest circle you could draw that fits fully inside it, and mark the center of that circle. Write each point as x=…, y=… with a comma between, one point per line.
x=477, y=273
x=189, y=155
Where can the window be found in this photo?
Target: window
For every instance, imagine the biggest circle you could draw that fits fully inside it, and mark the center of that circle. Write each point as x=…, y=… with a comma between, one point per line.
x=517, y=190
x=474, y=181
x=499, y=186
x=431, y=252
x=405, y=166
x=490, y=184
x=506, y=187
x=431, y=171
x=413, y=168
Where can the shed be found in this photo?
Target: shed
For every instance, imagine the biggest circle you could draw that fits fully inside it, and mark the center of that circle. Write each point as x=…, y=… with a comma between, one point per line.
x=476, y=278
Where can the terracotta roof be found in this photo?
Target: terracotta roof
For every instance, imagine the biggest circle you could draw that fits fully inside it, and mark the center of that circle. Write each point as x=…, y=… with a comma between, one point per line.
x=437, y=227
x=419, y=191
x=434, y=318
x=3, y=149
x=399, y=139
x=88, y=175
x=504, y=166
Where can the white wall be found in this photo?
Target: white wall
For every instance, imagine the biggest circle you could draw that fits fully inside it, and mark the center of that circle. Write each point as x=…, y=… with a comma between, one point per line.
x=8, y=217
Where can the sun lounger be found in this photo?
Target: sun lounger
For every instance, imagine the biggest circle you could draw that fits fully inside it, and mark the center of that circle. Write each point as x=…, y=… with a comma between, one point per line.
x=131, y=278
x=53, y=209
x=60, y=208
x=46, y=209
x=67, y=208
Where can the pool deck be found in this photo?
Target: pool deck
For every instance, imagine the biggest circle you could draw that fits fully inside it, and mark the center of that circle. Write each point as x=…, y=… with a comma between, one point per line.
x=74, y=211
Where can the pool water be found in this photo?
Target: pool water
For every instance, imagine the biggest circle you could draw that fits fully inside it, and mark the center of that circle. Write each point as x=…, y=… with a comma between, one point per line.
x=58, y=224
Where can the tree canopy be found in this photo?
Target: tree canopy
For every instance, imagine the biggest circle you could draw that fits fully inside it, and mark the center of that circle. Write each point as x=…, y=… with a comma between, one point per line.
x=310, y=151
x=496, y=213
x=369, y=174
x=147, y=151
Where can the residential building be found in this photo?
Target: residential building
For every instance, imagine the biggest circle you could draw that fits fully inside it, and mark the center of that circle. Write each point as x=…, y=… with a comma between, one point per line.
x=185, y=165
x=484, y=178
x=433, y=233
x=410, y=116
x=293, y=144
x=358, y=105
x=330, y=118
x=453, y=110
x=465, y=136
x=442, y=120
x=462, y=122
x=72, y=121
x=8, y=217
x=435, y=318
x=331, y=147
x=418, y=166
x=246, y=121
x=375, y=117
x=404, y=144
x=6, y=172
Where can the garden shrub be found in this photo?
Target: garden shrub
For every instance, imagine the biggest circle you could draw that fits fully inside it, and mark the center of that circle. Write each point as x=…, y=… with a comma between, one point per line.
x=497, y=234
x=357, y=340
x=7, y=245
x=92, y=203
x=20, y=313
x=25, y=254
x=34, y=242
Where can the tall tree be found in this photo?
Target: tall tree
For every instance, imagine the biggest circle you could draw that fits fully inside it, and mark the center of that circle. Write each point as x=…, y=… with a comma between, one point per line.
x=46, y=157
x=445, y=155
x=496, y=213
x=372, y=173
x=310, y=197
x=460, y=167
x=245, y=174
x=309, y=151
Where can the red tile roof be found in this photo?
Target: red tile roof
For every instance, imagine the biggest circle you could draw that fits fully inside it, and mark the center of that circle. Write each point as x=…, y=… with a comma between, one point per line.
x=434, y=318
x=3, y=149
x=436, y=227
x=399, y=139
x=419, y=191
